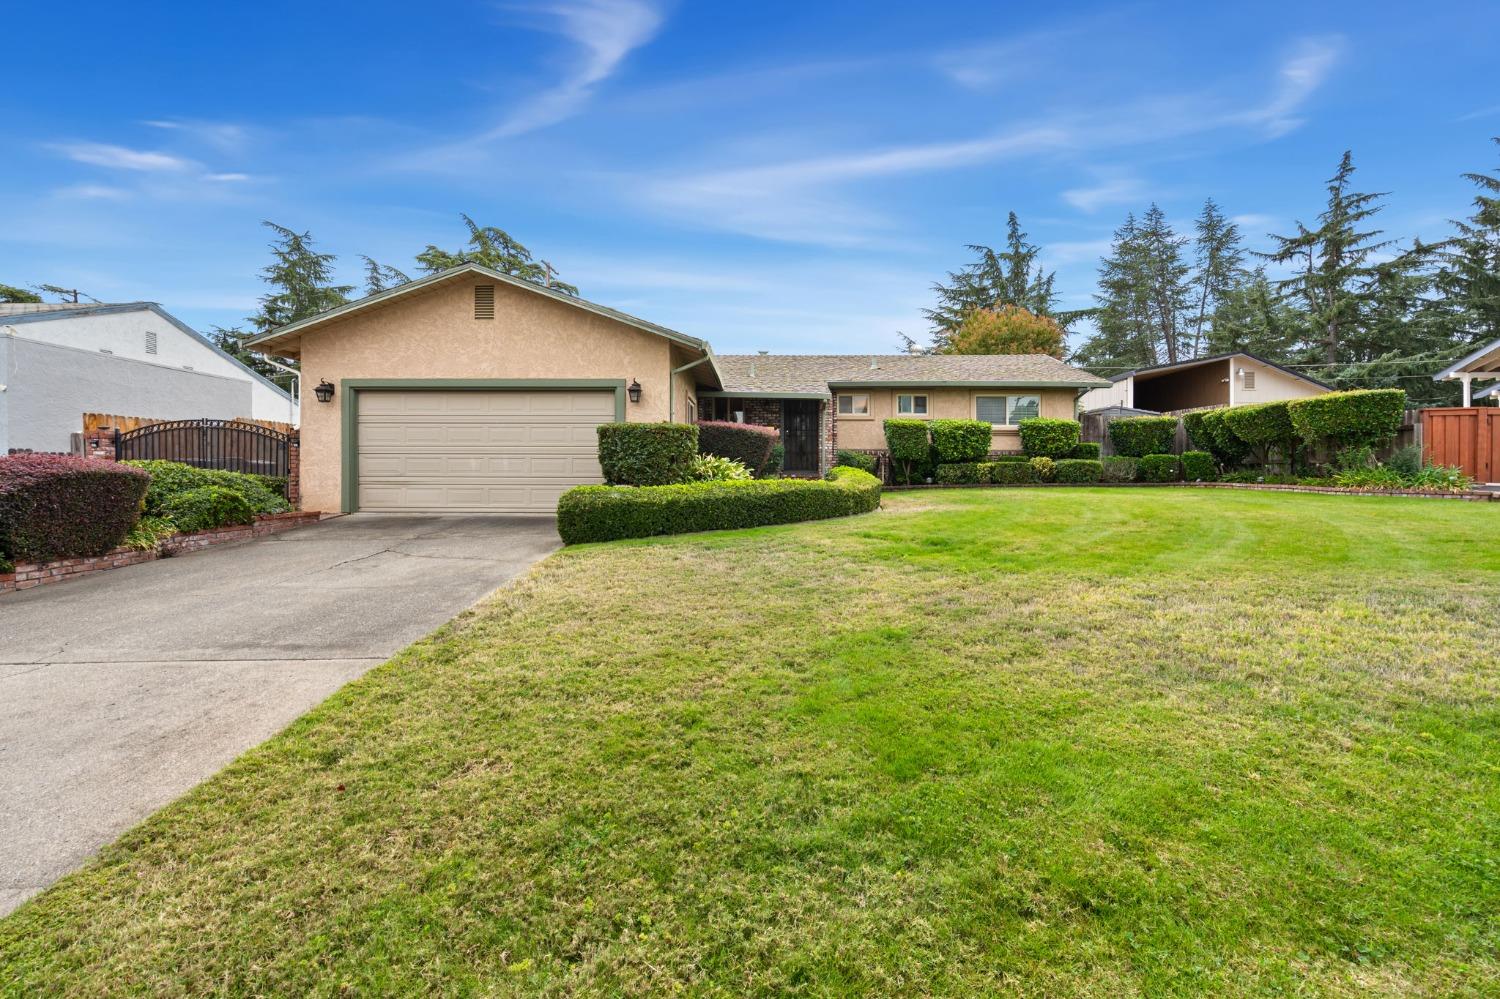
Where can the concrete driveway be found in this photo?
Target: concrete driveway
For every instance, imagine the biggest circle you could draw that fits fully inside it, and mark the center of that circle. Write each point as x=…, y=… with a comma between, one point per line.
x=121, y=690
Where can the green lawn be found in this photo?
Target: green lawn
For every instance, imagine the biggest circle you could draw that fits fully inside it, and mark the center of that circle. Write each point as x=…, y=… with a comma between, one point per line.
x=1044, y=742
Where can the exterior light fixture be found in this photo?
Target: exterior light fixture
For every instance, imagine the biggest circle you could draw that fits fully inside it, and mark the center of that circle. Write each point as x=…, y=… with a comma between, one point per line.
x=324, y=391
x=634, y=390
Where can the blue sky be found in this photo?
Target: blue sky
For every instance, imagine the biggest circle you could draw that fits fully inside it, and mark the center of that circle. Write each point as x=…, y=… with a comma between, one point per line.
x=780, y=176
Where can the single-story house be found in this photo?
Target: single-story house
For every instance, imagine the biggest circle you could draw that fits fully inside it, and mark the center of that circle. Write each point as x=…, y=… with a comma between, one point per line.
x=1237, y=379
x=472, y=390
x=1480, y=365
x=59, y=360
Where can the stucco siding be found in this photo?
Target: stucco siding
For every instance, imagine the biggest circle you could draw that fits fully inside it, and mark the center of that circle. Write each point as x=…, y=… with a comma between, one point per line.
x=868, y=433
x=433, y=334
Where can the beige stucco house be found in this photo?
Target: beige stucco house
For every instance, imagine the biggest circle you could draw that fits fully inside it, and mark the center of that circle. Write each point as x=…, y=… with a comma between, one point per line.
x=1237, y=379
x=471, y=390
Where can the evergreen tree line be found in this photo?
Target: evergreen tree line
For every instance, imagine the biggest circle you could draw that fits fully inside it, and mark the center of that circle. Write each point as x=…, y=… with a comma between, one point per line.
x=1336, y=298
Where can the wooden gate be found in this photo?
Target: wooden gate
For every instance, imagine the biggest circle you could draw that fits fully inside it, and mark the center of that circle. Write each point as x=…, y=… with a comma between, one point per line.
x=1466, y=437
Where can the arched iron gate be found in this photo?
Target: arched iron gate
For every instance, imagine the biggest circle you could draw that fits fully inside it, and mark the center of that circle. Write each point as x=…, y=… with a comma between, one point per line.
x=226, y=444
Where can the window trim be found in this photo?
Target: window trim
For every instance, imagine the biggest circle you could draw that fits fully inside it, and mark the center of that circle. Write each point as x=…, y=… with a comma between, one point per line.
x=926, y=412
x=838, y=406
x=1009, y=407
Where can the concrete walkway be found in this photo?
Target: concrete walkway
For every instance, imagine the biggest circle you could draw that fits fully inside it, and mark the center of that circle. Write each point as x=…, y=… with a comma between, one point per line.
x=122, y=690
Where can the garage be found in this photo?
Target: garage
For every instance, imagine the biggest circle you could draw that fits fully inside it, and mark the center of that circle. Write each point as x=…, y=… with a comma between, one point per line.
x=492, y=451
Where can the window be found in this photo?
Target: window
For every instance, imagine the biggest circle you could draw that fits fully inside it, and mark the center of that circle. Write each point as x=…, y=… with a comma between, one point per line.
x=151, y=341
x=723, y=408
x=692, y=411
x=1006, y=410
x=911, y=405
x=854, y=405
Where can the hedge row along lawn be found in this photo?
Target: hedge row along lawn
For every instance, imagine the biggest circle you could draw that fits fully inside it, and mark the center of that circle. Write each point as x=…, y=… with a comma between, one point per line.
x=1037, y=742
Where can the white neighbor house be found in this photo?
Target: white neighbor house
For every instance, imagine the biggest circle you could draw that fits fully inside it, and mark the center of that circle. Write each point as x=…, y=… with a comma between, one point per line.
x=61, y=360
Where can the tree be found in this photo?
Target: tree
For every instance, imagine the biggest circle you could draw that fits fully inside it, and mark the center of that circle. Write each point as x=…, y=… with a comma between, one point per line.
x=301, y=281
x=1011, y=277
x=1334, y=273
x=1220, y=267
x=1167, y=290
x=11, y=294
x=1008, y=329
x=1468, y=279
x=1144, y=297
x=1252, y=317
x=493, y=248
x=380, y=277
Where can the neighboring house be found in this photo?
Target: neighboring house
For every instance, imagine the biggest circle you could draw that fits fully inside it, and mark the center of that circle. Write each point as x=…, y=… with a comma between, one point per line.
x=1482, y=365
x=470, y=390
x=61, y=360
x=1237, y=379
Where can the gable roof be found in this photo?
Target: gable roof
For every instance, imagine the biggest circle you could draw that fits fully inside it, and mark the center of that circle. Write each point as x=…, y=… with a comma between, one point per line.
x=1484, y=362
x=1197, y=361
x=268, y=341
x=815, y=374
x=68, y=310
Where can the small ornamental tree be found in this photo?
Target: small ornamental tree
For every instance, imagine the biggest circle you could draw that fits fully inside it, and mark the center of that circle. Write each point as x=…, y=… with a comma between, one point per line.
x=1045, y=437
x=961, y=440
x=907, y=442
x=1006, y=329
x=1362, y=418
x=1138, y=436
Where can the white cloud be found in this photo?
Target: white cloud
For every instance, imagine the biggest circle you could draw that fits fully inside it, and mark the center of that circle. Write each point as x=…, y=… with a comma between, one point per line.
x=121, y=158
x=1300, y=75
x=225, y=136
x=95, y=192
x=606, y=31
x=1481, y=113
x=1118, y=191
x=227, y=177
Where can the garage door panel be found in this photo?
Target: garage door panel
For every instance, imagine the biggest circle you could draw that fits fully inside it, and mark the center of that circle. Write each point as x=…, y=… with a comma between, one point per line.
x=500, y=451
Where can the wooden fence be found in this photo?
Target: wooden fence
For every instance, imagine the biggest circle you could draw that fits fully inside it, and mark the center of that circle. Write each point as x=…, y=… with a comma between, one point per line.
x=1468, y=437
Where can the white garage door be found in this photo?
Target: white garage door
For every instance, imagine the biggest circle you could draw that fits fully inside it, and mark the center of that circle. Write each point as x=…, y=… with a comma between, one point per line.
x=495, y=452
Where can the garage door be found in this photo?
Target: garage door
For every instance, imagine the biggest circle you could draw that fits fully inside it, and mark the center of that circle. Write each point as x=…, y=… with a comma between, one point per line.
x=491, y=451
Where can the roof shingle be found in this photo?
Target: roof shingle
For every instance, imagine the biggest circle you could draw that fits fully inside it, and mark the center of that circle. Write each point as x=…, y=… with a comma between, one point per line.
x=812, y=374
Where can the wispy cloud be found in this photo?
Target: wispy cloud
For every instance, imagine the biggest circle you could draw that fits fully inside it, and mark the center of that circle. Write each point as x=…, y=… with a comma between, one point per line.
x=121, y=158
x=1300, y=75
x=94, y=192
x=1481, y=113
x=225, y=136
x=605, y=32
x=1117, y=191
x=227, y=178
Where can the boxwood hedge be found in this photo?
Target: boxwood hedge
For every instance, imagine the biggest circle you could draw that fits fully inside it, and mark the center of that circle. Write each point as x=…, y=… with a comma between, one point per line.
x=1263, y=425
x=1089, y=451
x=747, y=443
x=1045, y=437
x=1160, y=468
x=959, y=473
x=54, y=506
x=856, y=459
x=647, y=454
x=1199, y=466
x=1364, y=417
x=1077, y=470
x=1137, y=436
x=960, y=440
x=1008, y=473
x=608, y=513
x=1220, y=440
x=169, y=478
x=206, y=507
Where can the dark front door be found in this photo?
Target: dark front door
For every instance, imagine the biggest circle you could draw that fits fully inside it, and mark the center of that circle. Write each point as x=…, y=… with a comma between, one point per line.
x=799, y=434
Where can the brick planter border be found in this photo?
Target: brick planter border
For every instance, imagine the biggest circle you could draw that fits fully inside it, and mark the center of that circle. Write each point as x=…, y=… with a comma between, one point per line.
x=1473, y=495
x=29, y=574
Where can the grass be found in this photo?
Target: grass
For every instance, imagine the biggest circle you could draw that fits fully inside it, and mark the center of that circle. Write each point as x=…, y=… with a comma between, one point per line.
x=1040, y=742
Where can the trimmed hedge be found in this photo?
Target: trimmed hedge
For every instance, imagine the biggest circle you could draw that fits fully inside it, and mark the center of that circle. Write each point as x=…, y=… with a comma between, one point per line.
x=856, y=459
x=1138, y=436
x=1008, y=473
x=1197, y=434
x=1017, y=459
x=169, y=478
x=1043, y=469
x=1199, y=466
x=1087, y=451
x=1361, y=418
x=910, y=451
x=1045, y=437
x=54, y=506
x=1077, y=470
x=960, y=440
x=1220, y=440
x=749, y=444
x=647, y=454
x=959, y=473
x=207, y=507
x=1160, y=468
x=609, y=513
x=1263, y=425
x=1118, y=468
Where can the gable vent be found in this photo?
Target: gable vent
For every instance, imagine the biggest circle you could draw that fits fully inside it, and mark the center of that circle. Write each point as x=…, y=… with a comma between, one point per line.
x=151, y=341
x=484, y=301
x=1249, y=380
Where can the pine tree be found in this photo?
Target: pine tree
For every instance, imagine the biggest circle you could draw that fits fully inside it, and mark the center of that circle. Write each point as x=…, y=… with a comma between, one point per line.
x=1468, y=279
x=1251, y=316
x=1334, y=275
x=1122, y=335
x=1009, y=277
x=380, y=277
x=300, y=279
x=1167, y=291
x=496, y=249
x=1220, y=268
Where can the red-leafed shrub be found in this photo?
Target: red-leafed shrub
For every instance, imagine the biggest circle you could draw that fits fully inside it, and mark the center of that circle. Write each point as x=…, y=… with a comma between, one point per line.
x=747, y=443
x=55, y=506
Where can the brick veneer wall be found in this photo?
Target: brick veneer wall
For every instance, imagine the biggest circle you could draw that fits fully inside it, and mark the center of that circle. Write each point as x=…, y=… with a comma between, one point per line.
x=767, y=413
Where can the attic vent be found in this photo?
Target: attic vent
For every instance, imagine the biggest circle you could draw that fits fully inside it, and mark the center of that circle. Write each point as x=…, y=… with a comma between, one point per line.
x=1249, y=380
x=484, y=301
x=151, y=341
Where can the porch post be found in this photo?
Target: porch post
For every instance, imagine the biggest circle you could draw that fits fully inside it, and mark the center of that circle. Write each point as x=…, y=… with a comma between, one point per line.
x=1467, y=381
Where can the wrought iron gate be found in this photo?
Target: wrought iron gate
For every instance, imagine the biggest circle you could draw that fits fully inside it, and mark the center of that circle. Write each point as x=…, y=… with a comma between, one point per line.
x=226, y=444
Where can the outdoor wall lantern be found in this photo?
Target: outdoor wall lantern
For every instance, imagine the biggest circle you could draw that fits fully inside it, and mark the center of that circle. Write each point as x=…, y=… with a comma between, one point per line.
x=634, y=390
x=324, y=391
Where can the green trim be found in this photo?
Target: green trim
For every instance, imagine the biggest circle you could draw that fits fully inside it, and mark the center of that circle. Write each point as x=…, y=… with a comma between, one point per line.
x=969, y=384
x=717, y=393
x=672, y=384
x=349, y=389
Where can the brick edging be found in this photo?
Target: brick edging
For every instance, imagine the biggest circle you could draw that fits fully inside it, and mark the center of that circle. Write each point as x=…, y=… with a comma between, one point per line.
x=29, y=574
x=1473, y=495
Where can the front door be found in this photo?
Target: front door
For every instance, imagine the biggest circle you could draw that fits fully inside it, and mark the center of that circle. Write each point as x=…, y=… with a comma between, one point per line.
x=799, y=434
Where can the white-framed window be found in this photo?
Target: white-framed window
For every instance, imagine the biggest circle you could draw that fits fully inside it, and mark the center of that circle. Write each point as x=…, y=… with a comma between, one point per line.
x=911, y=405
x=855, y=404
x=1006, y=410
x=692, y=411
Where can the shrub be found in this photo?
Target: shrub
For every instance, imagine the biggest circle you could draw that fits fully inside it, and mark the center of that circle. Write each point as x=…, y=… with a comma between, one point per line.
x=1406, y=461
x=1078, y=470
x=1160, y=468
x=1043, y=469
x=608, y=513
x=647, y=454
x=747, y=443
x=1007, y=473
x=778, y=458
x=1199, y=466
x=1197, y=434
x=55, y=507
x=959, y=473
x=960, y=440
x=714, y=468
x=1119, y=469
x=1349, y=419
x=1016, y=459
x=1137, y=436
x=910, y=452
x=168, y=478
x=207, y=507
x=1262, y=426
x=1087, y=451
x=149, y=532
x=1044, y=437
x=856, y=459
x=1221, y=441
